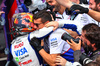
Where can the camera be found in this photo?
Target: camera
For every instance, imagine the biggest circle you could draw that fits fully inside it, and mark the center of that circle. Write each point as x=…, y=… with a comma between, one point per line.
x=36, y=5
x=84, y=59
x=66, y=36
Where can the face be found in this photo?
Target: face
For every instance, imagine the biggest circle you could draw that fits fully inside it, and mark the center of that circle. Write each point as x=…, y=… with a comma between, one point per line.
x=93, y=5
x=85, y=42
x=38, y=24
x=57, y=6
x=51, y=2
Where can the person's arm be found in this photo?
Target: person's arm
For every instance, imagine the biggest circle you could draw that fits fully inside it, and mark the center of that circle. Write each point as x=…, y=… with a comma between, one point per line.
x=41, y=33
x=49, y=58
x=66, y=3
x=77, y=49
x=68, y=24
x=77, y=55
x=63, y=62
x=60, y=61
x=86, y=10
x=1, y=12
x=74, y=46
x=96, y=16
x=72, y=33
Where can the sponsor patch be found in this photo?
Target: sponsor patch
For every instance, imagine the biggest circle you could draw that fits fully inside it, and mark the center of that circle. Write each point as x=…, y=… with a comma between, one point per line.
x=20, y=52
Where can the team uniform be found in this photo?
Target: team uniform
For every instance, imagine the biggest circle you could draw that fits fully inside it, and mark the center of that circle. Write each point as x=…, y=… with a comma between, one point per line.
x=55, y=45
x=63, y=16
x=80, y=21
x=23, y=53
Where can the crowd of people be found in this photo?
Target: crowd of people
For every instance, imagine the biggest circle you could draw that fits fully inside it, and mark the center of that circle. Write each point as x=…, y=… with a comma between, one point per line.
x=57, y=32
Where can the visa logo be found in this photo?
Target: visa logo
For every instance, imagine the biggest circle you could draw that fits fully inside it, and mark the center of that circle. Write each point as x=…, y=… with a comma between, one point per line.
x=21, y=51
x=53, y=39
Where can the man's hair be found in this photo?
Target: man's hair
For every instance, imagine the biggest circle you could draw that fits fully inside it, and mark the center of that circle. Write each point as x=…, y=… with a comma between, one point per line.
x=92, y=34
x=44, y=15
x=97, y=1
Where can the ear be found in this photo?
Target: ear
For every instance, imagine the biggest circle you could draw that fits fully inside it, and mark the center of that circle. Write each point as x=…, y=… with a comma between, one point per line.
x=93, y=45
x=98, y=5
x=46, y=22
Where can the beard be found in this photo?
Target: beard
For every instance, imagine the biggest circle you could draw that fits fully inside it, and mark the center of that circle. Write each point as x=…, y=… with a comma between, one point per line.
x=96, y=8
x=57, y=8
x=87, y=48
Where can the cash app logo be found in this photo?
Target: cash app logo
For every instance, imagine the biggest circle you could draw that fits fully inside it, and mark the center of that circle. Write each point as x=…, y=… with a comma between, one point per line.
x=17, y=59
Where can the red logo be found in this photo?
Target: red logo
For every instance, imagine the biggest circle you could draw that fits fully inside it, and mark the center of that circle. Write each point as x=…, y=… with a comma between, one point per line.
x=26, y=62
x=19, y=45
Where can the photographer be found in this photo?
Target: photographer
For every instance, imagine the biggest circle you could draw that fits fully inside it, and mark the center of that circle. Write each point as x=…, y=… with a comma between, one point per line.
x=90, y=40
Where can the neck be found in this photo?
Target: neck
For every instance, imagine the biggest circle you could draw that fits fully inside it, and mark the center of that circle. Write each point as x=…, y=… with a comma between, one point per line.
x=62, y=9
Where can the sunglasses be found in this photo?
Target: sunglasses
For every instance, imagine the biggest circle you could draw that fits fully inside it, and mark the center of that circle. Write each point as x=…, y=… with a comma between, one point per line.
x=37, y=24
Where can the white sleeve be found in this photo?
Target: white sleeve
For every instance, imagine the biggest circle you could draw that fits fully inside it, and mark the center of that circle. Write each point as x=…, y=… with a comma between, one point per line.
x=62, y=22
x=72, y=64
x=84, y=5
x=41, y=33
x=75, y=22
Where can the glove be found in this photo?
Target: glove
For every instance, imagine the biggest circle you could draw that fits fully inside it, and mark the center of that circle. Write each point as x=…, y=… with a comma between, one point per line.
x=80, y=8
x=27, y=2
x=36, y=43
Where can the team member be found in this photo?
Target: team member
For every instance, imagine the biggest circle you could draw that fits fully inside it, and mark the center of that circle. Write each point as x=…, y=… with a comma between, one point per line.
x=53, y=43
x=21, y=50
x=68, y=4
x=77, y=19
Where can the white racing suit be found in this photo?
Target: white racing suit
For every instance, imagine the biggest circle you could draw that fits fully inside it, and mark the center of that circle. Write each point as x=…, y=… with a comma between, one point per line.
x=23, y=53
x=80, y=20
x=55, y=45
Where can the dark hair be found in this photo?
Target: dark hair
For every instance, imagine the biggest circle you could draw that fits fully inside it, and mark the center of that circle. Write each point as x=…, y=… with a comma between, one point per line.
x=44, y=15
x=97, y=1
x=92, y=34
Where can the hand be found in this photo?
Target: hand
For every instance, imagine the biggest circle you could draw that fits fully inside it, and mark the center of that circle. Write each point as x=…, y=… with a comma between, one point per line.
x=60, y=61
x=74, y=46
x=1, y=12
x=36, y=43
x=27, y=2
x=79, y=8
x=52, y=23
